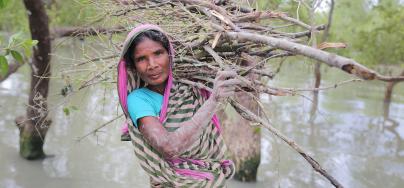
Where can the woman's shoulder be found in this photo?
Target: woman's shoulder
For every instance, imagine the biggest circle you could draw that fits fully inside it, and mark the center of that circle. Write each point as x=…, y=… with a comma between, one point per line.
x=144, y=94
x=137, y=92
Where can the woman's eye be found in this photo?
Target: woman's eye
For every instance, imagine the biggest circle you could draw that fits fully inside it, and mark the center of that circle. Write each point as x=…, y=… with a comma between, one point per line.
x=159, y=52
x=140, y=59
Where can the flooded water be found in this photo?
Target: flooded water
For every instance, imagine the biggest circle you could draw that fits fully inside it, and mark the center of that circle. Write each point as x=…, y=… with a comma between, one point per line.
x=349, y=135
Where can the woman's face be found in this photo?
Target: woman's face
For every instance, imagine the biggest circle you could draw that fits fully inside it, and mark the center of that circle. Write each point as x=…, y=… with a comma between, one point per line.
x=152, y=62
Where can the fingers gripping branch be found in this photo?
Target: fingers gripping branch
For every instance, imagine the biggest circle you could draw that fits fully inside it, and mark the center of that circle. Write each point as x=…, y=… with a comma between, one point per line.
x=224, y=85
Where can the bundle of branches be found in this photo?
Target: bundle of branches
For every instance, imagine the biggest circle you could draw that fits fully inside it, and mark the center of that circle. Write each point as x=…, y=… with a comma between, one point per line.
x=216, y=35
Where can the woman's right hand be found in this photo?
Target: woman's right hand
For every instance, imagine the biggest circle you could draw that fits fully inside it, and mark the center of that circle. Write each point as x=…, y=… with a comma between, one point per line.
x=224, y=85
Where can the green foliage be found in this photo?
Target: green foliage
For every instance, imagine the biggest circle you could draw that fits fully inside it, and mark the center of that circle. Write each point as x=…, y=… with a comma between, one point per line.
x=3, y=65
x=27, y=46
x=13, y=16
x=68, y=110
x=374, y=32
x=257, y=130
x=292, y=8
x=3, y=3
x=271, y=5
x=68, y=13
x=17, y=56
x=17, y=43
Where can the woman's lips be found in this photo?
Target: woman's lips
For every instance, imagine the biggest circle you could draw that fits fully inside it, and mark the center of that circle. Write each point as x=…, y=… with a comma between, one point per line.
x=154, y=76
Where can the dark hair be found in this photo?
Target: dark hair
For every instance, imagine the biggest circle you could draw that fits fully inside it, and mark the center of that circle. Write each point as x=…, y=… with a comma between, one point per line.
x=154, y=35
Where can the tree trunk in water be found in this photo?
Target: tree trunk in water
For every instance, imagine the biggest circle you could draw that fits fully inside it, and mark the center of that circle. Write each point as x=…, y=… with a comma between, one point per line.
x=317, y=68
x=317, y=83
x=389, y=92
x=34, y=126
x=317, y=73
x=387, y=96
x=243, y=140
x=389, y=89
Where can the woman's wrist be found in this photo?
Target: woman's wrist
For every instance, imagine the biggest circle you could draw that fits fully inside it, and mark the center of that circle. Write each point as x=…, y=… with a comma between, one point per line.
x=213, y=103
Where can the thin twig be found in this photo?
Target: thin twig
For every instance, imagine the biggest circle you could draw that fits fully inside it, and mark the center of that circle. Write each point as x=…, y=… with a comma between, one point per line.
x=98, y=128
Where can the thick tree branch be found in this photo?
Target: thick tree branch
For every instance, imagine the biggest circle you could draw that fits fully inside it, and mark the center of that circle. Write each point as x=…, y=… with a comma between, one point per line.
x=84, y=31
x=348, y=65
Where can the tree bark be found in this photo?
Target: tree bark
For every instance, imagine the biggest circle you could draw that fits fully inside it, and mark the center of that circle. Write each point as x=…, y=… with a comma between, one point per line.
x=34, y=126
x=317, y=67
x=317, y=75
x=389, y=92
x=389, y=89
x=245, y=151
x=84, y=31
x=387, y=96
x=348, y=65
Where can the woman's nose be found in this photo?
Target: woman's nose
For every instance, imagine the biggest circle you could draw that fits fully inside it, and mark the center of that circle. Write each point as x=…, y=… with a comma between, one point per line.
x=152, y=62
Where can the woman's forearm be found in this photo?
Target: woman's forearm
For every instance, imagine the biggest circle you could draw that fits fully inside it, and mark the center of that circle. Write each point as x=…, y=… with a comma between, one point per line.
x=173, y=144
x=189, y=132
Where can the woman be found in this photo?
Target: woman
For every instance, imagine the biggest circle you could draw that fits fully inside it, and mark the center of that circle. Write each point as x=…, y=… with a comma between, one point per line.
x=172, y=125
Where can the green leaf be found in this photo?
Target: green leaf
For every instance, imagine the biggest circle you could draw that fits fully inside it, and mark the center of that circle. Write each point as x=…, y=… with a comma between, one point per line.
x=27, y=45
x=3, y=3
x=34, y=42
x=66, y=111
x=257, y=130
x=15, y=38
x=30, y=43
x=17, y=56
x=3, y=66
x=27, y=51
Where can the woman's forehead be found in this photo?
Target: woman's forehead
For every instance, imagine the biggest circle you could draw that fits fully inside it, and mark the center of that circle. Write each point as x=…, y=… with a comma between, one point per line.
x=148, y=45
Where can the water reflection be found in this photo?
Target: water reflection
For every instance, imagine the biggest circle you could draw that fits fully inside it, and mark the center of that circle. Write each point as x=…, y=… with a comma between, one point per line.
x=345, y=134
